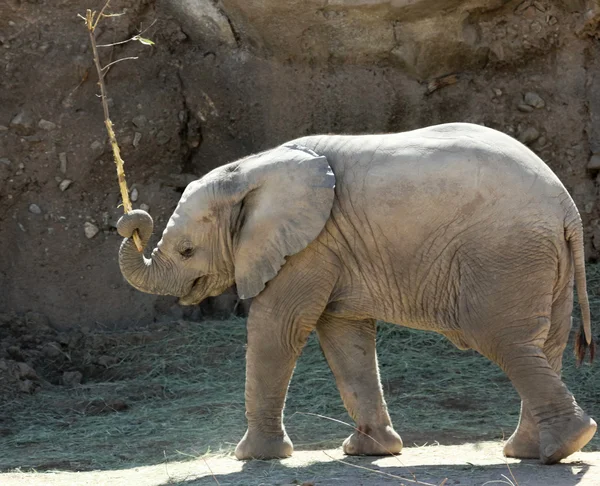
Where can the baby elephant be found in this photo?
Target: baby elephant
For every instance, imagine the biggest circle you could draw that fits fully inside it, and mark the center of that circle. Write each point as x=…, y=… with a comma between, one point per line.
x=456, y=228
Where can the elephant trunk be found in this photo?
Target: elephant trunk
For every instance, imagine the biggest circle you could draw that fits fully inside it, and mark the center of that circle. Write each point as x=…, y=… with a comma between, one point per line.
x=145, y=274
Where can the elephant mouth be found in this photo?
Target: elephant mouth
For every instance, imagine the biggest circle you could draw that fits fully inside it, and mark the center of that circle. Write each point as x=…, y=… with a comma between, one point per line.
x=197, y=292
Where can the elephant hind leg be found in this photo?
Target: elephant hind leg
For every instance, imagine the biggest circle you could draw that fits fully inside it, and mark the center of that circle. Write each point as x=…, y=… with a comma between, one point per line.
x=349, y=347
x=532, y=361
x=524, y=443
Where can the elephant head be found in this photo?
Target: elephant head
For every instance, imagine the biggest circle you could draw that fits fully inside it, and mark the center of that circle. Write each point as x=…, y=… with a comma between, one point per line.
x=234, y=225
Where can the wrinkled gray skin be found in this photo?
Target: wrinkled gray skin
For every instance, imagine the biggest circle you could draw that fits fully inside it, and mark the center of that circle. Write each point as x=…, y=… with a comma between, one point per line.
x=457, y=229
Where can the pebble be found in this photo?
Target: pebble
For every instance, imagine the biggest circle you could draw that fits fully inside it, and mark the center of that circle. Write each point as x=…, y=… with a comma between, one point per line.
x=529, y=135
x=3, y=128
x=134, y=194
x=525, y=108
x=97, y=146
x=64, y=184
x=62, y=157
x=107, y=361
x=140, y=121
x=51, y=350
x=497, y=91
x=533, y=99
x=22, y=121
x=90, y=230
x=5, y=161
x=35, y=209
x=46, y=125
x=71, y=378
x=144, y=207
x=594, y=163
x=137, y=138
x=162, y=138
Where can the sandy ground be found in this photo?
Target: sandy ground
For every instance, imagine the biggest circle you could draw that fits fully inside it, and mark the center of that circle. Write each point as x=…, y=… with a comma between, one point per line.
x=467, y=465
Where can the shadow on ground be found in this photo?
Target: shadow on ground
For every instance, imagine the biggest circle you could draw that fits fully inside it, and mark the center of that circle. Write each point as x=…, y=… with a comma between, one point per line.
x=465, y=465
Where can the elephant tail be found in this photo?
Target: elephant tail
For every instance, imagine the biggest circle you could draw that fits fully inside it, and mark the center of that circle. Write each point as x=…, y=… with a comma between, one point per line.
x=584, y=340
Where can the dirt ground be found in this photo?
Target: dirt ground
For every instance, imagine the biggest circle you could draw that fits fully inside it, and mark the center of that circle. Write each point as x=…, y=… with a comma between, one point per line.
x=165, y=405
x=466, y=465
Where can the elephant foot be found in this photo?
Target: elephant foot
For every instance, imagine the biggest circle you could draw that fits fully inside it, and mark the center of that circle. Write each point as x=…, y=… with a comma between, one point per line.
x=255, y=445
x=368, y=441
x=523, y=444
x=563, y=438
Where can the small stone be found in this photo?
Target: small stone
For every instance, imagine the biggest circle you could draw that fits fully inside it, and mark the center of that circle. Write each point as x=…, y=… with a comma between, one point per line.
x=62, y=157
x=552, y=20
x=529, y=135
x=539, y=6
x=21, y=166
x=144, y=207
x=22, y=122
x=5, y=161
x=26, y=386
x=46, y=125
x=90, y=230
x=97, y=146
x=594, y=163
x=35, y=209
x=137, y=138
x=33, y=138
x=541, y=141
x=3, y=128
x=107, y=361
x=134, y=194
x=68, y=101
x=16, y=353
x=497, y=91
x=51, y=350
x=70, y=378
x=534, y=99
x=24, y=371
x=64, y=184
x=525, y=108
x=140, y=121
x=162, y=138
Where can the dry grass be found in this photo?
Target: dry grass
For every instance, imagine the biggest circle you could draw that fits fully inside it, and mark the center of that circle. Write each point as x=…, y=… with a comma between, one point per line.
x=185, y=396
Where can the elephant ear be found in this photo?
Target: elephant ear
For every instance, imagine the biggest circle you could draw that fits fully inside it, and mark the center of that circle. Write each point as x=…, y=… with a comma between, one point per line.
x=289, y=199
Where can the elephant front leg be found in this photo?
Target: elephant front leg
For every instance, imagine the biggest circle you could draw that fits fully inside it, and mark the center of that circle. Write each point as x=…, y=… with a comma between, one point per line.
x=349, y=347
x=273, y=348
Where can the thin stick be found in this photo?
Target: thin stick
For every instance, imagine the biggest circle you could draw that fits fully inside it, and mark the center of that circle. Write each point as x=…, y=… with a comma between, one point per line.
x=367, y=435
x=91, y=23
x=211, y=472
x=377, y=472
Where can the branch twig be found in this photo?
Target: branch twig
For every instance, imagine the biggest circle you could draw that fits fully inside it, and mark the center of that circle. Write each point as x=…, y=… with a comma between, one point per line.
x=91, y=20
x=131, y=39
x=118, y=60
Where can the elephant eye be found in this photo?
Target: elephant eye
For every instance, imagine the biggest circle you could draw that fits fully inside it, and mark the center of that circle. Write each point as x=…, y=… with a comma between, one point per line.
x=186, y=252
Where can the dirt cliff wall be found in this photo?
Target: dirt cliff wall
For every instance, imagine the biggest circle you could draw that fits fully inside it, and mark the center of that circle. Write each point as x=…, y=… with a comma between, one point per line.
x=227, y=78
